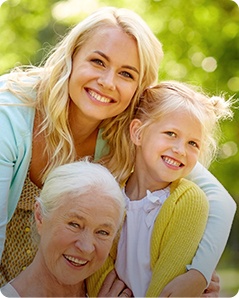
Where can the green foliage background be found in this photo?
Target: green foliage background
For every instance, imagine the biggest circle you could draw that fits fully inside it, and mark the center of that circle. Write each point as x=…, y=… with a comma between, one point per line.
x=201, y=45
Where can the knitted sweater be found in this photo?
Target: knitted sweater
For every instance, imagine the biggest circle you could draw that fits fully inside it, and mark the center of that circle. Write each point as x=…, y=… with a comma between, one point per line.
x=177, y=232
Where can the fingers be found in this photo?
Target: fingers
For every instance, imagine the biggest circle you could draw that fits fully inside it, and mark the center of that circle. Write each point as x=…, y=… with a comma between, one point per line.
x=109, y=281
x=213, y=289
x=114, y=287
x=126, y=293
x=215, y=277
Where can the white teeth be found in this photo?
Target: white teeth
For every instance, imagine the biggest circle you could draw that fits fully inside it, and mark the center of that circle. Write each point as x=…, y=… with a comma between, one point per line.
x=75, y=260
x=171, y=161
x=98, y=97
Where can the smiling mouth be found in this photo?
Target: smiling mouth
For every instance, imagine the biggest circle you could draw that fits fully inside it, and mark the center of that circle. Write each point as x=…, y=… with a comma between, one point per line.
x=100, y=98
x=75, y=261
x=172, y=162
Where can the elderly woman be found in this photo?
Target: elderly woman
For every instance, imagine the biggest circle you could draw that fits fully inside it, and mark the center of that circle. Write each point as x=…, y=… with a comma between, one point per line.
x=77, y=214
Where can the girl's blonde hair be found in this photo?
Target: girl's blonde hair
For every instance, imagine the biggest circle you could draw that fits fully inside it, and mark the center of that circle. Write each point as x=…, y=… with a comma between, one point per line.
x=50, y=83
x=170, y=96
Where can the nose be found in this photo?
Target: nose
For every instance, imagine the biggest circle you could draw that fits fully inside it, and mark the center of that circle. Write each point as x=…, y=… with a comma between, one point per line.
x=107, y=80
x=85, y=243
x=179, y=148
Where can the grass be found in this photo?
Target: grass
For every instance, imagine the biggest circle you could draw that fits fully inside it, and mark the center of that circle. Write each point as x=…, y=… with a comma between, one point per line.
x=229, y=279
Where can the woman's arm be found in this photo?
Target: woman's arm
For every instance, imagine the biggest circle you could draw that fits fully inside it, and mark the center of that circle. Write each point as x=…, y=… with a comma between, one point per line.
x=221, y=213
x=5, y=174
x=6, y=171
x=15, y=153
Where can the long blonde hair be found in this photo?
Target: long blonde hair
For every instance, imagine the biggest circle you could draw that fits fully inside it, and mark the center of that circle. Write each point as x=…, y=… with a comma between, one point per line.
x=50, y=82
x=172, y=96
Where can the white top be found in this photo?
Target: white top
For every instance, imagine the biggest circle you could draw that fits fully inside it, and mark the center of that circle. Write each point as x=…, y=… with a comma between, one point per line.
x=9, y=291
x=134, y=249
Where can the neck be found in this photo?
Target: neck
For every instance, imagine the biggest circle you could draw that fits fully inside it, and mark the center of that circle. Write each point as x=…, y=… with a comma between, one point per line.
x=82, y=127
x=37, y=281
x=84, y=131
x=138, y=184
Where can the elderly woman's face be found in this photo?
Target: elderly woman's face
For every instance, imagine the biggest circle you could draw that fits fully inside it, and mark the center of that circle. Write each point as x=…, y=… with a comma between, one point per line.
x=105, y=74
x=76, y=239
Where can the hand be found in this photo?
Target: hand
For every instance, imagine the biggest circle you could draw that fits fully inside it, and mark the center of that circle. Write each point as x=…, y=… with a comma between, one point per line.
x=213, y=289
x=114, y=287
x=190, y=284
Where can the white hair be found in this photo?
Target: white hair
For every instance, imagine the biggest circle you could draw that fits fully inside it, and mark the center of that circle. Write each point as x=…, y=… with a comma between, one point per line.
x=76, y=179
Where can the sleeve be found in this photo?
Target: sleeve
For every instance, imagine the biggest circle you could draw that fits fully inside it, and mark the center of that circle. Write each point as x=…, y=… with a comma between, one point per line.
x=7, y=157
x=221, y=213
x=179, y=228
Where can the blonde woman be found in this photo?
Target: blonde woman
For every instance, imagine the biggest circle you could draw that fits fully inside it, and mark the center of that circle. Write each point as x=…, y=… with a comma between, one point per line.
x=55, y=114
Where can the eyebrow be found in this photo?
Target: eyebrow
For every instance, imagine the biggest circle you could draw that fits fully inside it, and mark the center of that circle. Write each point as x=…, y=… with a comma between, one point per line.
x=79, y=217
x=123, y=66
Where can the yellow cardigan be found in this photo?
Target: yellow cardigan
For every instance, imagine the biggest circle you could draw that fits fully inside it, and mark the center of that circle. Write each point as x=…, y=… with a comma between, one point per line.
x=177, y=232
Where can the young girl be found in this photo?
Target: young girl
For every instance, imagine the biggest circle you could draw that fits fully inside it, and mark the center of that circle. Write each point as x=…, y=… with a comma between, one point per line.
x=174, y=127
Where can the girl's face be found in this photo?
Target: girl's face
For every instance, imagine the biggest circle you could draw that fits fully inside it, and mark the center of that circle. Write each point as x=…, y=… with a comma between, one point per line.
x=105, y=75
x=77, y=237
x=167, y=149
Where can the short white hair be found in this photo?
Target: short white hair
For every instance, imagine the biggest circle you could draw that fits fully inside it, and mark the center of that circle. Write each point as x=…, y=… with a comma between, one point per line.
x=75, y=179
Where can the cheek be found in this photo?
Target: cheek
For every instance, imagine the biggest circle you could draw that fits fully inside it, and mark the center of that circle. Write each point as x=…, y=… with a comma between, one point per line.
x=53, y=239
x=193, y=158
x=127, y=93
x=103, y=250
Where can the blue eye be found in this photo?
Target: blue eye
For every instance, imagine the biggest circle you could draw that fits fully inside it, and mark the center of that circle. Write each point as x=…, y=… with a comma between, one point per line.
x=126, y=74
x=102, y=232
x=194, y=144
x=170, y=133
x=98, y=62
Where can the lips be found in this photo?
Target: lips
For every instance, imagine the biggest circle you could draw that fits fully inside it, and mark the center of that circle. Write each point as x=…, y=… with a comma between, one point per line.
x=75, y=261
x=172, y=162
x=99, y=97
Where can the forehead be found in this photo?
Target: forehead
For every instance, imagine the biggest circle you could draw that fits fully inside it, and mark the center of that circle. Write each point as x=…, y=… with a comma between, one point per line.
x=113, y=41
x=109, y=34
x=92, y=207
x=181, y=120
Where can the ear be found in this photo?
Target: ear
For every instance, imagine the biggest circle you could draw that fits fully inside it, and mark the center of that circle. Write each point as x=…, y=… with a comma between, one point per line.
x=38, y=217
x=135, y=132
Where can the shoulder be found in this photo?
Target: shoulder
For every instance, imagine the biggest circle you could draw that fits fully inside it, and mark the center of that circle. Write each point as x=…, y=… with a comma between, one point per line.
x=13, y=111
x=185, y=195
x=184, y=187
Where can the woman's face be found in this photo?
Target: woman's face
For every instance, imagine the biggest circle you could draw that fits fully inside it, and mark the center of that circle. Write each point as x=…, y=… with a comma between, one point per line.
x=77, y=237
x=105, y=75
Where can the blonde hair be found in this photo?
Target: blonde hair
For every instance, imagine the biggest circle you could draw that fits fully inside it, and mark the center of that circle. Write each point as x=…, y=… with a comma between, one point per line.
x=170, y=96
x=50, y=83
